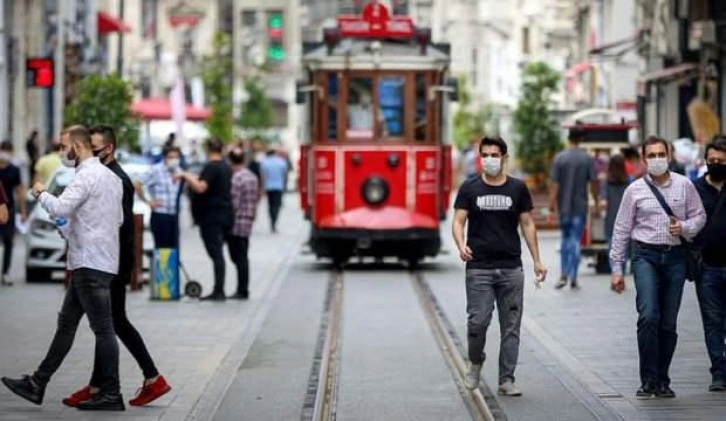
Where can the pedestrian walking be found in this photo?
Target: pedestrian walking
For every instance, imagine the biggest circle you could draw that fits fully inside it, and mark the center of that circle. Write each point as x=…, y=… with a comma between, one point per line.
x=494, y=205
x=103, y=140
x=15, y=191
x=31, y=148
x=165, y=189
x=572, y=171
x=273, y=169
x=245, y=195
x=3, y=206
x=616, y=183
x=214, y=202
x=711, y=288
x=660, y=212
x=91, y=204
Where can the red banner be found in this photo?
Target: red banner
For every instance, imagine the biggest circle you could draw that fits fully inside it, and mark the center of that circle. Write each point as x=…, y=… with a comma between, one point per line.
x=375, y=22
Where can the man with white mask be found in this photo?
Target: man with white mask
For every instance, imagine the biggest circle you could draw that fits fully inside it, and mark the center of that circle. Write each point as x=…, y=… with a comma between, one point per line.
x=495, y=205
x=165, y=186
x=659, y=213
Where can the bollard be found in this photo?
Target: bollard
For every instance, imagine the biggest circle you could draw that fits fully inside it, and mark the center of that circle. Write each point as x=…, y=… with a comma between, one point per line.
x=138, y=271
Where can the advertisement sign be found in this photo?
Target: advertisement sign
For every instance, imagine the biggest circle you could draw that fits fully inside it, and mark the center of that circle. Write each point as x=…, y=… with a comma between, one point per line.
x=165, y=275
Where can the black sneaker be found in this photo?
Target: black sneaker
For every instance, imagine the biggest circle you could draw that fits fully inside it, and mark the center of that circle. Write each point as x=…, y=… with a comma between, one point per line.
x=646, y=391
x=561, y=283
x=717, y=385
x=103, y=402
x=26, y=388
x=574, y=285
x=664, y=391
x=240, y=296
x=214, y=297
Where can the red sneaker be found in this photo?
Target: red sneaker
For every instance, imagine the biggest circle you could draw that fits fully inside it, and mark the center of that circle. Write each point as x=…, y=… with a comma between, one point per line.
x=150, y=392
x=78, y=397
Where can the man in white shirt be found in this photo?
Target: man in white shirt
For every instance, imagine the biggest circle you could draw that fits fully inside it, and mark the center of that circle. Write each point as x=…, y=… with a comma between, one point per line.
x=91, y=205
x=360, y=117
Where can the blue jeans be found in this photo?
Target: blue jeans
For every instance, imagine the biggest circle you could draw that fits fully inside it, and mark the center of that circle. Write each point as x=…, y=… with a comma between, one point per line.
x=572, y=228
x=711, y=292
x=659, y=279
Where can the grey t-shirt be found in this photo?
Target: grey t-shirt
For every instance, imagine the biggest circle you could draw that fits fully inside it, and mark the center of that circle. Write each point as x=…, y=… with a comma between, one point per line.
x=573, y=170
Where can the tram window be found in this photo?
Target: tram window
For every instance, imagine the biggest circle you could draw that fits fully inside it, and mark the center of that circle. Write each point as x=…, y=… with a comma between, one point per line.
x=420, y=126
x=361, y=109
x=332, y=129
x=391, y=92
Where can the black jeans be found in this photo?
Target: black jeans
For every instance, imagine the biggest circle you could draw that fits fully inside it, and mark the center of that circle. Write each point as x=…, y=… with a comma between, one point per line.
x=274, y=203
x=88, y=293
x=7, y=231
x=165, y=229
x=126, y=332
x=238, y=247
x=213, y=236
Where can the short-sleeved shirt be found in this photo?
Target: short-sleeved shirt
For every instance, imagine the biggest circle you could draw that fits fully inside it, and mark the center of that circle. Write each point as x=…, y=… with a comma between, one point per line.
x=572, y=170
x=215, y=204
x=163, y=188
x=493, y=221
x=274, y=172
x=3, y=197
x=10, y=179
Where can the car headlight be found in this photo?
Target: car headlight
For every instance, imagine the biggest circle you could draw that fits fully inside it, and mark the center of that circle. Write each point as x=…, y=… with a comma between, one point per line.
x=374, y=190
x=39, y=226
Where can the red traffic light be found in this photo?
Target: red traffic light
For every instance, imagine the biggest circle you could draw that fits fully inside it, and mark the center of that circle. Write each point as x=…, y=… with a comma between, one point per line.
x=40, y=72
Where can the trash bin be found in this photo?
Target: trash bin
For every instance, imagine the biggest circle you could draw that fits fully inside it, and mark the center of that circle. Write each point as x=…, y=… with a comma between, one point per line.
x=165, y=275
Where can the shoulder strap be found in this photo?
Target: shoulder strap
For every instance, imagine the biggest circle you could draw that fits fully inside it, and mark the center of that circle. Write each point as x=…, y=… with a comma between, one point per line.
x=659, y=197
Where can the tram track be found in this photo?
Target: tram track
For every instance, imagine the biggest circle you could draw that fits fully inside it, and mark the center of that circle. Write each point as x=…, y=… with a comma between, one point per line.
x=321, y=398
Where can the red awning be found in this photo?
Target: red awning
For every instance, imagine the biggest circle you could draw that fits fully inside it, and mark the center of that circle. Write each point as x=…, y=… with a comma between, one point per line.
x=578, y=68
x=108, y=24
x=669, y=72
x=160, y=109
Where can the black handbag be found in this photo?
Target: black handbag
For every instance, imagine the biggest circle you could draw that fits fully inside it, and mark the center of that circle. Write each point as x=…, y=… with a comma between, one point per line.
x=694, y=261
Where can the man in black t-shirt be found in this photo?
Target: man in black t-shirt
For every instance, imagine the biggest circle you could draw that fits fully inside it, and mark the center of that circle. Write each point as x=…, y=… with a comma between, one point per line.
x=15, y=192
x=495, y=205
x=216, y=217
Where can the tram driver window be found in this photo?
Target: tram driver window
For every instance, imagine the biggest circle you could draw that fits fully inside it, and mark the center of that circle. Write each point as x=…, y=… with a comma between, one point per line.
x=361, y=109
x=333, y=93
x=391, y=96
x=420, y=125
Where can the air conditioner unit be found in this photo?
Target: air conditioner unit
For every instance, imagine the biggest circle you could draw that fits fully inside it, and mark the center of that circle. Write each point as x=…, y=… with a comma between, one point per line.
x=701, y=33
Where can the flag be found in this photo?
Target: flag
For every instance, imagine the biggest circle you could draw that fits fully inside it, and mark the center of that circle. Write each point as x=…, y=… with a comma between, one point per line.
x=177, y=102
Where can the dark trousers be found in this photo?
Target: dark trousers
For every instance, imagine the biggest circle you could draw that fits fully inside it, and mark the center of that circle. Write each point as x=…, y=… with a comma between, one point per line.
x=659, y=279
x=711, y=292
x=126, y=332
x=7, y=232
x=274, y=203
x=238, y=248
x=165, y=230
x=88, y=293
x=213, y=236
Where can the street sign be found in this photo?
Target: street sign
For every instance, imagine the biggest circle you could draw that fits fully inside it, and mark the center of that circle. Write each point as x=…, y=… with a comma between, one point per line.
x=40, y=72
x=375, y=22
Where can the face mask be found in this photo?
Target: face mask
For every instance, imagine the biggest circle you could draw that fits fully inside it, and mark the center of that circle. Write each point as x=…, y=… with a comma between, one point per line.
x=172, y=164
x=657, y=166
x=97, y=153
x=492, y=166
x=717, y=172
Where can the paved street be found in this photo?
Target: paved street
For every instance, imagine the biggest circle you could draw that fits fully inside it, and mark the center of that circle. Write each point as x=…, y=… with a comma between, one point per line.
x=252, y=360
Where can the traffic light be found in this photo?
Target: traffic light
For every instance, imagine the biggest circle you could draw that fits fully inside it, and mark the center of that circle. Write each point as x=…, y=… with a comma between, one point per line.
x=275, y=35
x=40, y=72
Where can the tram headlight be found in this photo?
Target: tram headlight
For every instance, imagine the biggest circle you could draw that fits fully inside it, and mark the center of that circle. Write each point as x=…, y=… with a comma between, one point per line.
x=375, y=190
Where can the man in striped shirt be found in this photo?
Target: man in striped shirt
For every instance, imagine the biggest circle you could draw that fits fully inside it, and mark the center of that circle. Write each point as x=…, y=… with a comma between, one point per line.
x=245, y=195
x=659, y=260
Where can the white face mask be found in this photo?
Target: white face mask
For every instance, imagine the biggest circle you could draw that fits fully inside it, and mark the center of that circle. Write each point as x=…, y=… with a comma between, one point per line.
x=70, y=163
x=172, y=164
x=657, y=166
x=492, y=166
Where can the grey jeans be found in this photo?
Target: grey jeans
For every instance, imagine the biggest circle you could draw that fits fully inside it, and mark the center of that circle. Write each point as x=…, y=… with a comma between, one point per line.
x=483, y=288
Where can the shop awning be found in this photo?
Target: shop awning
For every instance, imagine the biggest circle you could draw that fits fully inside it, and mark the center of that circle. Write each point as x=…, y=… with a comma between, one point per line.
x=160, y=109
x=108, y=24
x=578, y=68
x=615, y=44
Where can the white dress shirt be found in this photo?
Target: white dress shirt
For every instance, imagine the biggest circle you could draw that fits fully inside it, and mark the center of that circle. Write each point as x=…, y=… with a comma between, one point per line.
x=92, y=205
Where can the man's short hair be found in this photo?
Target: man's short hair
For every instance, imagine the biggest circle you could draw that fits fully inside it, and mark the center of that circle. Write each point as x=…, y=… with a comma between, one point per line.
x=7, y=146
x=717, y=144
x=169, y=149
x=655, y=140
x=214, y=145
x=236, y=156
x=493, y=141
x=107, y=133
x=576, y=134
x=79, y=134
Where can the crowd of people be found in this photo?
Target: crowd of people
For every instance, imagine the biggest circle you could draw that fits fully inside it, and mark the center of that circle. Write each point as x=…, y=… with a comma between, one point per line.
x=94, y=214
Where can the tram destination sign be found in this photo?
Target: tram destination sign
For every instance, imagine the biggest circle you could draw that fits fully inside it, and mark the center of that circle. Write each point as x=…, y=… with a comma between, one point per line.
x=375, y=22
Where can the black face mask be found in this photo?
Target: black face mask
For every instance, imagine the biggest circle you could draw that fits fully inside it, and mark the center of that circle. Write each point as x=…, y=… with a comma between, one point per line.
x=717, y=172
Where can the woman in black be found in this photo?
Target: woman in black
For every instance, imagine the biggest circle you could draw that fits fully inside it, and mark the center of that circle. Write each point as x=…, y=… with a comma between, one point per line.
x=617, y=182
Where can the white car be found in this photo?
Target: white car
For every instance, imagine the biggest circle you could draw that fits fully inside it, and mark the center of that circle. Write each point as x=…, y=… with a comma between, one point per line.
x=46, y=249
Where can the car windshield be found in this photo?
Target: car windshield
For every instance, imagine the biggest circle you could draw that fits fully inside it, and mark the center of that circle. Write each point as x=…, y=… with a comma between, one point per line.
x=59, y=182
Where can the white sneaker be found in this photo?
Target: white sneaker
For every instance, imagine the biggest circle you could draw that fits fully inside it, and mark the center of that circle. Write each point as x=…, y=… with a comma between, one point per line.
x=509, y=389
x=471, y=381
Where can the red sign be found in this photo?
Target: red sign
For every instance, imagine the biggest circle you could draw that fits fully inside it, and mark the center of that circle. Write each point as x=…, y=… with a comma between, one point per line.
x=375, y=22
x=40, y=72
x=183, y=14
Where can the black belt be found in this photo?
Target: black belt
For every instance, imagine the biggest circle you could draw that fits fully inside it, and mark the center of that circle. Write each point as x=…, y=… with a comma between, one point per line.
x=659, y=247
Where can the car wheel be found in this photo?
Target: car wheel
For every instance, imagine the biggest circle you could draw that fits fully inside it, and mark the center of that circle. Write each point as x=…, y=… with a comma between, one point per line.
x=37, y=275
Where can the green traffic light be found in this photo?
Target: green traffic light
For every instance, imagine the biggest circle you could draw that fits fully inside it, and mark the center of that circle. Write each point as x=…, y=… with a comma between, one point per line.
x=276, y=52
x=276, y=21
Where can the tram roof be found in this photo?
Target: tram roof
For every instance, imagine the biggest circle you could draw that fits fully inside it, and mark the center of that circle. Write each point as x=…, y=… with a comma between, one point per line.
x=366, y=54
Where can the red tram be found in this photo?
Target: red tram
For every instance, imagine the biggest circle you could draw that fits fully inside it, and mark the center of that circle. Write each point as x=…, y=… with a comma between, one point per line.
x=375, y=167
